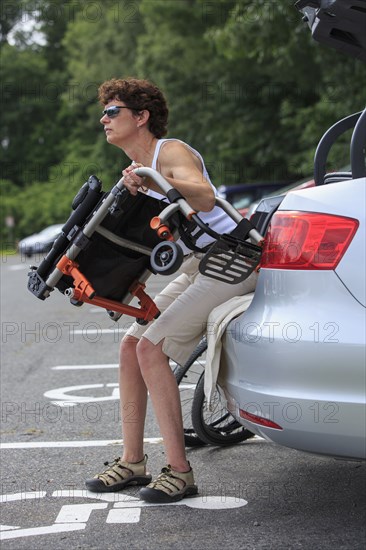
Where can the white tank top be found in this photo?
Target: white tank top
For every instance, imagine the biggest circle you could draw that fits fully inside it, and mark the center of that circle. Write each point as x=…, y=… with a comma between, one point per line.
x=217, y=219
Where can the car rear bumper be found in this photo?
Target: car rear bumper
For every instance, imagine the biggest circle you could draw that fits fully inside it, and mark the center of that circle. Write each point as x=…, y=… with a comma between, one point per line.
x=297, y=357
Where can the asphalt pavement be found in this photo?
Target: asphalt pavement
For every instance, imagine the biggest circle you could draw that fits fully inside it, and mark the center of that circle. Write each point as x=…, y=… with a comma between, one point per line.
x=60, y=421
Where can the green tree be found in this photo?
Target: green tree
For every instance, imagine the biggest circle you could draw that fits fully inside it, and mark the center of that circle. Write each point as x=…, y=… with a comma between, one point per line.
x=179, y=55
x=299, y=87
x=245, y=82
x=99, y=45
x=10, y=13
x=32, y=83
x=27, y=130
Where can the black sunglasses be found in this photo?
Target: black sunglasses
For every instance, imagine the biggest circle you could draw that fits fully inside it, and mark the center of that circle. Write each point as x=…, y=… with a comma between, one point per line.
x=113, y=111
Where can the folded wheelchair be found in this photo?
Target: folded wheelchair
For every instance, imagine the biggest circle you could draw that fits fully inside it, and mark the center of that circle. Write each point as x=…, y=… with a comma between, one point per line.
x=113, y=241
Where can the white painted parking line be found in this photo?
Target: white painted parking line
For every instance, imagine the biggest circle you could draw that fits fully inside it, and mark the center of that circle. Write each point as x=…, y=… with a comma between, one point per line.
x=89, y=331
x=44, y=530
x=18, y=267
x=88, y=443
x=85, y=367
x=30, y=495
x=103, y=366
x=70, y=444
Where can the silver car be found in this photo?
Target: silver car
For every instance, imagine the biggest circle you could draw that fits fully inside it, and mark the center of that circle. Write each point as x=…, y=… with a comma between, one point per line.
x=293, y=369
x=293, y=366
x=40, y=243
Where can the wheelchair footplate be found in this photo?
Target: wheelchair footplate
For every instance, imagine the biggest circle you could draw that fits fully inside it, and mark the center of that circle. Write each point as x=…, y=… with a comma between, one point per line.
x=230, y=259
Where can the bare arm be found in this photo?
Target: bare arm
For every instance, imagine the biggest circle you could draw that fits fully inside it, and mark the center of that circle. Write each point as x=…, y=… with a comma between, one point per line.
x=183, y=170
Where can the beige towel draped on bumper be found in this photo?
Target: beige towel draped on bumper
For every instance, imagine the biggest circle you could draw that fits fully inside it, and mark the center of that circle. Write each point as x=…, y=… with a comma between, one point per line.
x=218, y=320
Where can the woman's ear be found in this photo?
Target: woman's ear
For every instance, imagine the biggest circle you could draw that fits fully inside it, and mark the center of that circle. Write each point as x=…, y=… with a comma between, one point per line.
x=142, y=117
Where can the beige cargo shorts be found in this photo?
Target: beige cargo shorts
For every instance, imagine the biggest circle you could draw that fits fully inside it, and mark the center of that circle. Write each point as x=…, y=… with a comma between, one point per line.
x=185, y=305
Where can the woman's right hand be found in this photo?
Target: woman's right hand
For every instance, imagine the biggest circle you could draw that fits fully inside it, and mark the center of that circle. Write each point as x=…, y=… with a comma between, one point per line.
x=131, y=180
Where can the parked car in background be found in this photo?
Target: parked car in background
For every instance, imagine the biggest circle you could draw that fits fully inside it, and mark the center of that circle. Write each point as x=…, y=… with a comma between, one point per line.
x=293, y=366
x=40, y=243
x=243, y=194
x=296, y=186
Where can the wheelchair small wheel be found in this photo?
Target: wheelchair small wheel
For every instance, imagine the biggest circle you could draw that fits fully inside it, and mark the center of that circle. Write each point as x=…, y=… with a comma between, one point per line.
x=141, y=322
x=217, y=426
x=166, y=258
x=187, y=377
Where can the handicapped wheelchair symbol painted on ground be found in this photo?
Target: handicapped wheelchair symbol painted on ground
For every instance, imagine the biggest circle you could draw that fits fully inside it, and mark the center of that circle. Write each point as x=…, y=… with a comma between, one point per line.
x=125, y=509
x=64, y=397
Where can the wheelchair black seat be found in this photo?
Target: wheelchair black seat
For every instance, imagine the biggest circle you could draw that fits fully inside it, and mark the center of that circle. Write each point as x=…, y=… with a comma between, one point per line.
x=118, y=252
x=112, y=261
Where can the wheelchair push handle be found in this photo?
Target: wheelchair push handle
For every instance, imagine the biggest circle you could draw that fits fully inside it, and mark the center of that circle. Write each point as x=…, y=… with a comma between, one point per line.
x=230, y=259
x=175, y=197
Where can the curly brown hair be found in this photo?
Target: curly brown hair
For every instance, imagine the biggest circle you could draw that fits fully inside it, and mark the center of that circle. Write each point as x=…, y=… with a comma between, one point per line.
x=138, y=95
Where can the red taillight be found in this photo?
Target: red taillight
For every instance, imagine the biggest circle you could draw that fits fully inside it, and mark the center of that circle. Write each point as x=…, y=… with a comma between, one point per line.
x=307, y=240
x=259, y=420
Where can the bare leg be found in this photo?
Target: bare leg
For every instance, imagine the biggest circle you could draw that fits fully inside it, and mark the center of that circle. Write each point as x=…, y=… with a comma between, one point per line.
x=164, y=394
x=133, y=396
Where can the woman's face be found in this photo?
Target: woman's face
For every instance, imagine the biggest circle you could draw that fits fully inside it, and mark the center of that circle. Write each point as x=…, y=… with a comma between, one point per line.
x=120, y=123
